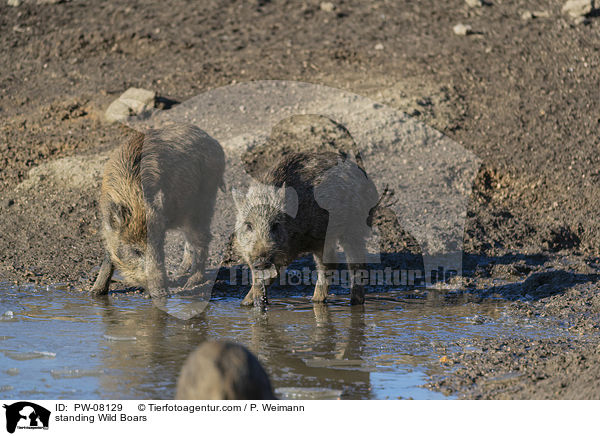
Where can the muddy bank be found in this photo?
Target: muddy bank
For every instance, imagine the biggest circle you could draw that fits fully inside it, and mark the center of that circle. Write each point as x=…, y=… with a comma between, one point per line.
x=520, y=94
x=515, y=368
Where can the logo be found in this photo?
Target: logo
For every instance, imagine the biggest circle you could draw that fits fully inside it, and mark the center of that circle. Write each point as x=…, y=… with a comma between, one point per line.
x=26, y=415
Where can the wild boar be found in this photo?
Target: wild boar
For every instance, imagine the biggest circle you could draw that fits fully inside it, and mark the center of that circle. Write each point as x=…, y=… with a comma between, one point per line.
x=160, y=180
x=308, y=202
x=223, y=371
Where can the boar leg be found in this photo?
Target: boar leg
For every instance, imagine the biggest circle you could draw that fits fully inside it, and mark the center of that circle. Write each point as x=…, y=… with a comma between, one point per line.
x=199, y=249
x=104, y=275
x=322, y=285
x=155, y=255
x=355, y=257
x=187, y=262
x=258, y=292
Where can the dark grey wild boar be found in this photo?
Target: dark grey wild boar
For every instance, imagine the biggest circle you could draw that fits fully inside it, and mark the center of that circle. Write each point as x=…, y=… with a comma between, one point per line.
x=223, y=371
x=308, y=202
x=161, y=180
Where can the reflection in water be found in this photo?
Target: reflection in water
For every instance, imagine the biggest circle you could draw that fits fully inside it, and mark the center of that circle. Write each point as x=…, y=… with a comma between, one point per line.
x=125, y=348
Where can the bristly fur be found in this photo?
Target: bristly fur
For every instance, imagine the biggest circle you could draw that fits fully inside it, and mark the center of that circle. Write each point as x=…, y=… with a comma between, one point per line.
x=159, y=180
x=268, y=199
x=122, y=185
x=269, y=232
x=223, y=371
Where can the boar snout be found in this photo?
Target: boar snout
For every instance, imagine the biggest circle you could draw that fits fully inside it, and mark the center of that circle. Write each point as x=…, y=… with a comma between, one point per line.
x=263, y=263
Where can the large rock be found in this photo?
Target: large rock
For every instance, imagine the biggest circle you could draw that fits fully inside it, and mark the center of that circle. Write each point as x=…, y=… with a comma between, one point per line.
x=134, y=101
x=578, y=8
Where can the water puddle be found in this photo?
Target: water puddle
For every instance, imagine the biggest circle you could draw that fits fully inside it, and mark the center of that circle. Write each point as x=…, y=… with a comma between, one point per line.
x=62, y=344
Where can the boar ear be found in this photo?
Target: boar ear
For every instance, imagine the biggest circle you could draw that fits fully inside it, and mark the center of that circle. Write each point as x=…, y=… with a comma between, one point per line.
x=238, y=198
x=117, y=215
x=289, y=197
x=281, y=192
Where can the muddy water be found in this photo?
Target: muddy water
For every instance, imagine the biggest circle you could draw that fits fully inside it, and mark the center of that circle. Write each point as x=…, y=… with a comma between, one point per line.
x=56, y=343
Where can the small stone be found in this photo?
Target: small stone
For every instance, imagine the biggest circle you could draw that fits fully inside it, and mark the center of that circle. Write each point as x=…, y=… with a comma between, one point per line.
x=526, y=16
x=14, y=3
x=327, y=6
x=477, y=320
x=474, y=3
x=462, y=29
x=578, y=8
x=542, y=14
x=379, y=46
x=8, y=203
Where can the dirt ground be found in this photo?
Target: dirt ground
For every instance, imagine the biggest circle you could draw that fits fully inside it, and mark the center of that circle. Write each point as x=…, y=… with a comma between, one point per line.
x=522, y=94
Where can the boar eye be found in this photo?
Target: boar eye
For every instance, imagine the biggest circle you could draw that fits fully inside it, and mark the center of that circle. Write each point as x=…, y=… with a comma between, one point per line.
x=137, y=252
x=275, y=227
x=248, y=226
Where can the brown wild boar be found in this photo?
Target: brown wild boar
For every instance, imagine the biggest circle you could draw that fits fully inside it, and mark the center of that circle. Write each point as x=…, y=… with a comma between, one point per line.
x=308, y=202
x=160, y=180
x=223, y=371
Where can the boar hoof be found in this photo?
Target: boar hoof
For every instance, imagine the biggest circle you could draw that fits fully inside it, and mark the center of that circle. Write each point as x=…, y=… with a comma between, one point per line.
x=260, y=301
x=357, y=299
x=194, y=281
x=248, y=300
x=99, y=292
x=319, y=298
x=320, y=294
x=159, y=293
x=253, y=299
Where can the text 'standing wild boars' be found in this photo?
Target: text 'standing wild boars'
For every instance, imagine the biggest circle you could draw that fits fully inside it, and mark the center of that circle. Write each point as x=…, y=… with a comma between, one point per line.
x=306, y=203
x=223, y=371
x=160, y=180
